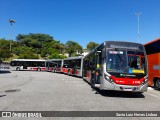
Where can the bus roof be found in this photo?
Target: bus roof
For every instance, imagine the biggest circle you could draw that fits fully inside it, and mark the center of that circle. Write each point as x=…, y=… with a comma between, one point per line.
x=153, y=41
x=28, y=60
x=54, y=60
x=120, y=44
x=152, y=46
x=70, y=58
x=125, y=45
x=114, y=41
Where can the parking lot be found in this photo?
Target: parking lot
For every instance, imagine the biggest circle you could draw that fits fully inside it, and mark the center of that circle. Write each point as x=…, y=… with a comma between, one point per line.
x=46, y=91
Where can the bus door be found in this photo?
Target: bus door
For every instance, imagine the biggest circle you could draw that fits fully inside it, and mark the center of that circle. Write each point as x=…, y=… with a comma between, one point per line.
x=55, y=66
x=25, y=65
x=48, y=66
x=98, y=72
x=74, y=67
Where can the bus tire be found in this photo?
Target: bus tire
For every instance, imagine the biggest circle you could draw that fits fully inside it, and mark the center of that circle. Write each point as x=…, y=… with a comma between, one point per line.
x=157, y=84
x=38, y=69
x=18, y=68
x=54, y=70
x=69, y=72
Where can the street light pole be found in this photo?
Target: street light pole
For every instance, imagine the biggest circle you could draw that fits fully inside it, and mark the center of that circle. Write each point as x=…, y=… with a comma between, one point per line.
x=138, y=15
x=11, y=21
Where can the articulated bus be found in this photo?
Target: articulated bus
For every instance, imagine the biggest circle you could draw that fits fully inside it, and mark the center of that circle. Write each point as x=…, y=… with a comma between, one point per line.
x=54, y=65
x=153, y=57
x=28, y=64
x=73, y=66
x=116, y=65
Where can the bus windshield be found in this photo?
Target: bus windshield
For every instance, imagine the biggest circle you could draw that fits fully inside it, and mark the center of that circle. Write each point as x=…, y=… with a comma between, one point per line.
x=122, y=61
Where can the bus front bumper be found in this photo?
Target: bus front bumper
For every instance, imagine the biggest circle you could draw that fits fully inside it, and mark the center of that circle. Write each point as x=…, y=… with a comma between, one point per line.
x=112, y=86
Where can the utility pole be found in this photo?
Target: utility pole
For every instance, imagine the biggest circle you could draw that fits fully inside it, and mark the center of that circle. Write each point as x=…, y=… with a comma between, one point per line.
x=138, y=15
x=11, y=21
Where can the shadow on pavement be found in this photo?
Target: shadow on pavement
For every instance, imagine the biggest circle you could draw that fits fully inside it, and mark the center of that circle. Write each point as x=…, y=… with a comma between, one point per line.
x=2, y=96
x=119, y=94
x=4, y=72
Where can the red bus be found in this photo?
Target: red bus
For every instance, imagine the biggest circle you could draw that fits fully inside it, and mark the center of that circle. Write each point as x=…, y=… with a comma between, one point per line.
x=54, y=65
x=73, y=66
x=116, y=65
x=153, y=57
x=28, y=64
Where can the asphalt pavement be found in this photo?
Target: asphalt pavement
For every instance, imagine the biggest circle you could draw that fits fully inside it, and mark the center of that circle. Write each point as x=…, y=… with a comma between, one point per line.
x=46, y=91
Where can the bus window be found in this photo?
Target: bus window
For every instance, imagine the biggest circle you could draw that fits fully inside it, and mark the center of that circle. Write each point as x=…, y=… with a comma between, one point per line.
x=78, y=64
x=132, y=62
x=117, y=61
x=136, y=60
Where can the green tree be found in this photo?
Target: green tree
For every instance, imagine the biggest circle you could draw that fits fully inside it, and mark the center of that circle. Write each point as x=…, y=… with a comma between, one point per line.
x=34, y=40
x=57, y=56
x=4, y=44
x=5, y=49
x=31, y=45
x=15, y=44
x=22, y=49
x=73, y=48
x=52, y=47
x=92, y=45
x=5, y=54
x=43, y=44
x=20, y=37
x=42, y=38
x=28, y=55
x=30, y=42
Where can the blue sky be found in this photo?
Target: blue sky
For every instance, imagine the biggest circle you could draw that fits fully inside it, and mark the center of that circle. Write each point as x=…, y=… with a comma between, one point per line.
x=82, y=21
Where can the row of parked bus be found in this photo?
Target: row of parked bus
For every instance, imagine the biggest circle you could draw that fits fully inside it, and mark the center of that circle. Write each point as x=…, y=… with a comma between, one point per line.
x=71, y=65
x=113, y=65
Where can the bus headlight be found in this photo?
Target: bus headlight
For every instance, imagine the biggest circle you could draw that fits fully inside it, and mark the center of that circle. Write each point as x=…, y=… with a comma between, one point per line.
x=108, y=79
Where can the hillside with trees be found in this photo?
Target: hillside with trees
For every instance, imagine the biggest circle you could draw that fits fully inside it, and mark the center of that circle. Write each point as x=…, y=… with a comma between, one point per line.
x=36, y=46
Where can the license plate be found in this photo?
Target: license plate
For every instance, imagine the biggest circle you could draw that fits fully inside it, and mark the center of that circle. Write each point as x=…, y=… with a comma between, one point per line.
x=127, y=89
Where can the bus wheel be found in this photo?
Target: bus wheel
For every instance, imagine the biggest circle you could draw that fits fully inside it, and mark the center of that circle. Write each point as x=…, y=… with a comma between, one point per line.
x=157, y=84
x=18, y=69
x=54, y=70
x=69, y=73
x=38, y=69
